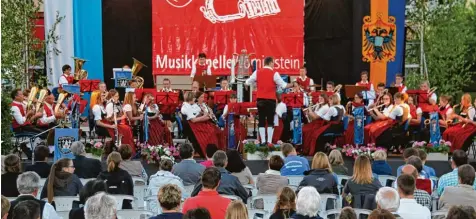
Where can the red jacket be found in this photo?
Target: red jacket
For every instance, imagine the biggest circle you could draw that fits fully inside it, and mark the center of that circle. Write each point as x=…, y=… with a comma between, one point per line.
x=210, y=200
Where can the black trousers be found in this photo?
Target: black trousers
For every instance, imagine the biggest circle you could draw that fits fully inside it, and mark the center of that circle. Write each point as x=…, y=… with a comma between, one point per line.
x=266, y=111
x=30, y=128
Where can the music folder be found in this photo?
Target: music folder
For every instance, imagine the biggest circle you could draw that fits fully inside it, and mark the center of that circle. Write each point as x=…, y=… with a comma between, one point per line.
x=351, y=90
x=206, y=81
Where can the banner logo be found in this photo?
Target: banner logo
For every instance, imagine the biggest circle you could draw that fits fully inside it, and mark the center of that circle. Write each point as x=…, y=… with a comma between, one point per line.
x=378, y=40
x=179, y=3
x=246, y=8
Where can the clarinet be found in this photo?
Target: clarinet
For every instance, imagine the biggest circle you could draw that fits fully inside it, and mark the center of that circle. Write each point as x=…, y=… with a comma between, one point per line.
x=116, y=130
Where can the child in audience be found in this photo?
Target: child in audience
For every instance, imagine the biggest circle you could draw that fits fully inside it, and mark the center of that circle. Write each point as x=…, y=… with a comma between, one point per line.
x=429, y=170
x=285, y=205
x=293, y=164
x=380, y=165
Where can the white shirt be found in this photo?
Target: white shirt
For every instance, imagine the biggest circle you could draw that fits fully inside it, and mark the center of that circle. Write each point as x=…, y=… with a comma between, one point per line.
x=191, y=111
x=404, y=90
x=449, y=111
x=194, y=70
x=395, y=112
x=17, y=113
x=433, y=97
x=471, y=113
x=386, y=110
x=321, y=111
x=332, y=112
x=410, y=209
x=48, y=211
x=45, y=119
x=280, y=110
x=127, y=108
x=110, y=110
x=97, y=112
x=62, y=80
x=276, y=77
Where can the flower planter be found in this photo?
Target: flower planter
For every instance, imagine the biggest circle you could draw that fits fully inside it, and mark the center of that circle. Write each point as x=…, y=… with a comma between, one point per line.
x=437, y=156
x=90, y=155
x=259, y=155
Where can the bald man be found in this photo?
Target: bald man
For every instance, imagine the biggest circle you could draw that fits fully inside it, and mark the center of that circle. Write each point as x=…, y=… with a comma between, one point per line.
x=421, y=196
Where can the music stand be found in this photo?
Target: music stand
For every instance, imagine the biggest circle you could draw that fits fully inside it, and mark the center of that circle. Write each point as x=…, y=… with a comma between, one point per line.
x=294, y=100
x=167, y=101
x=89, y=85
x=141, y=91
x=315, y=95
x=205, y=81
x=223, y=97
x=351, y=90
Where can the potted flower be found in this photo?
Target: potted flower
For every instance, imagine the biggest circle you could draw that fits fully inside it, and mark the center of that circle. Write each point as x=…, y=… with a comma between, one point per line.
x=355, y=151
x=254, y=151
x=94, y=149
x=154, y=153
x=435, y=152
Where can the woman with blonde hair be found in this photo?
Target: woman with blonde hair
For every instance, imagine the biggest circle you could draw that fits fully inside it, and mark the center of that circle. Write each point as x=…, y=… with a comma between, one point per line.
x=320, y=176
x=62, y=181
x=118, y=180
x=285, y=205
x=132, y=115
x=236, y=210
x=461, y=135
x=124, y=130
x=337, y=163
x=102, y=126
x=380, y=165
x=362, y=182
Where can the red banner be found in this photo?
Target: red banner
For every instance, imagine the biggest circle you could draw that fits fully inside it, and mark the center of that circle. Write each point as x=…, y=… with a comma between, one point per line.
x=181, y=29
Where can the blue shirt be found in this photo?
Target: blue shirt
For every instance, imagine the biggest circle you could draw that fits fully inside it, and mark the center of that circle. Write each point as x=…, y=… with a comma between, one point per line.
x=422, y=173
x=429, y=170
x=449, y=179
x=294, y=166
x=381, y=167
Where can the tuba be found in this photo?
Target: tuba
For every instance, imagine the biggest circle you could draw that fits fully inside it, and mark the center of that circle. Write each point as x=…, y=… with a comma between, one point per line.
x=136, y=67
x=31, y=98
x=79, y=72
x=41, y=98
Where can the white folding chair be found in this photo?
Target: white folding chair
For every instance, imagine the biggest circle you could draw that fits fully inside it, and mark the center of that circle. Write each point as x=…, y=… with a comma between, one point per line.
x=189, y=190
x=64, y=203
x=384, y=179
x=63, y=214
x=232, y=197
x=324, y=199
x=269, y=201
x=434, y=203
x=42, y=184
x=359, y=212
x=251, y=188
x=258, y=213
x=84, y=181
x=120, y=199
x=152, y=204
x=295, y=180
x=439, y=213
x=335, y=212
x=133, y=214
x=139, y=191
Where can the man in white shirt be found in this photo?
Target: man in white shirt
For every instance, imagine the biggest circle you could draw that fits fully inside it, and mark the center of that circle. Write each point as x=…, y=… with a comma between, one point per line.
x=166, y=83
x=28, y=185
x=21, y=118
x=387, y=198
x=49, y=116
x=66, y=77
x=201, y=66
x=409, y=208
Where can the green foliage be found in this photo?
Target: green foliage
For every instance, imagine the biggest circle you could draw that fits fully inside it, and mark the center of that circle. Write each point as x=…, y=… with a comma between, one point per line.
x=251, y=148
x=7, y=144
x=413, y=81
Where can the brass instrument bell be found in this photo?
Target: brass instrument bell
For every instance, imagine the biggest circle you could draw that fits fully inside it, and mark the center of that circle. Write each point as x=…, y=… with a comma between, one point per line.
x=31, y=97
x=79, y=72
x=41, y=98
x=136, y=67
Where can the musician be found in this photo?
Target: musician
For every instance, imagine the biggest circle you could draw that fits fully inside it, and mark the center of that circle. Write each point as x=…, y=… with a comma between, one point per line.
x=132, y=116
x=103, y=87
x=299, y=90
x=195, y=86
x=224, y=85
x=266, y=80
x=330, y=87
x=333, y=118
x=358, y=102
x=372, y=130
x=415, y=111
x=279, y=120
x=202, y=131
x=378, y=94
x=99, y=113
x=315, y=115
x=166, y=86
x=427, y=100
x=21, y=121
x=462, y=133
x=201, y=66
x=364, y=81
x=113, y=106
x=399, y=83
x=445, y=110
x=304, y=81
x=133, y=84
x=49, y=117
x=66, y=77
x=159, y=133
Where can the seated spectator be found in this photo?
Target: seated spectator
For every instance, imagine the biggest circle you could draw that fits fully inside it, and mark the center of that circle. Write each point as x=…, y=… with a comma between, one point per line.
x=28, y=184
x=91, y=188
x=229, y=184
x=236, y=210
x=337, y=163
x=271, y=181
x=421, y=196
x=12, y=167
x=188, y=169
x=381, y=214
x=409, y=208
x=5, y=207
x=170, y=198
x=307, y=204
x=133, y=167
x=293, y=164
x=362, y=182
x=237, y=167
x=210, y=150
x=197, y=213
x=100, y=206
x=380, y=165
x=62, y=181
x=422, y=182
x=161, y=178
x=118, y=181
x=429, y=170
x=459, y=158
x=407, y=153
x=27, y=210
x=347, y=213
x=320, y=176
x=208, y=197
x=387, y=198
x=86, y=168
x=41, y=165
x=285, y=205
x=463, y=193
x=460, y=212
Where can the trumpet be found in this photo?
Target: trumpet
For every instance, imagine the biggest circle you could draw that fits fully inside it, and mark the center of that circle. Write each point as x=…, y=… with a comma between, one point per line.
x=375, y=107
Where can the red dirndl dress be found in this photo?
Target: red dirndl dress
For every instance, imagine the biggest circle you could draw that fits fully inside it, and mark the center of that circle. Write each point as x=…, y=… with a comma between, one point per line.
x=240, y=131
x=207, y=133
x=458, y=135
x=125, y=131
x=374, y=130
x=310, y=133
x=159, y=133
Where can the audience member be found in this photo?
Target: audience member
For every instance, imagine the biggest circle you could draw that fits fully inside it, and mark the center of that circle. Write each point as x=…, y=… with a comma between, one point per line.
x=236, y=210
x=100, y=206
x=90, y=188
x=422, y=183
x=381, y=214
x=409, y=208
x=210, y=150
x=229, y=184
x=285, y=206
x=170, y=198
x=271, y=181
x=293, y=164
x=463, y=193
x=28, y=184
x=387, y=198
x=458, y=159
x=208, y=197
x=27, y=210
x=133, y=167
x=86, y=168
x=118, y=181
x=12, y=167
x=362, y=182
x=460, y=212
x=161, y=178
x=62, y=181
x=197, y=213
x=380, y=165
x=188, y=169
x=320, y=176
x=307, y=204
x=41, y=165
x=237, y=167
x=337, y=163
x=429, y=170
x=347, y=213
x=422, y=197
x=407, y=153
x=5, y=207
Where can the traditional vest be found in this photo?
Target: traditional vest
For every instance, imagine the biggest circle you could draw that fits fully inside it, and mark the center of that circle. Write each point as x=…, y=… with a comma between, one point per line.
x=368, y=85
x=23, y=113
x=413, y=111
x=443, y=110
x=49, y=113
x=201, y=69
x=304, y=83
x=340, y=114
x=400, y=87
x=70, y=79
x=266, y=88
